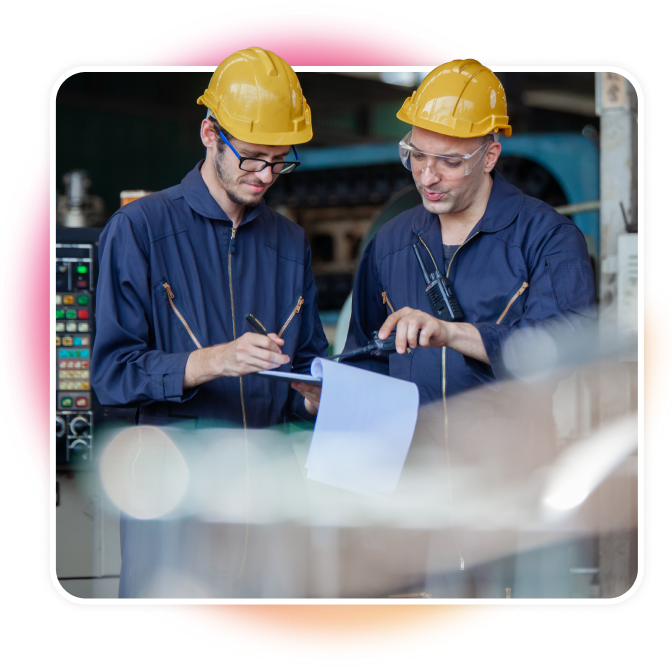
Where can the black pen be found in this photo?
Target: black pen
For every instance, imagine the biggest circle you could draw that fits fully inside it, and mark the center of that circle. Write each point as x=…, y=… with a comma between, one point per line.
x=256, y=324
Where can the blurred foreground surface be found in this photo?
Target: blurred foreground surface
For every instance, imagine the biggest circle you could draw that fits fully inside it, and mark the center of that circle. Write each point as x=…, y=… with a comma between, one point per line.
x=495, y=501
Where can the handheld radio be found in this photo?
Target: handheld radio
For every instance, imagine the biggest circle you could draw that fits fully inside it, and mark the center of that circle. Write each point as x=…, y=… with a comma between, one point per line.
x=440, y=293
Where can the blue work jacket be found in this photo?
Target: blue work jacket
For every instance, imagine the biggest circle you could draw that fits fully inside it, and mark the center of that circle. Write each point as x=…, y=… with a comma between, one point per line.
x=522, y=264
x=174, y=276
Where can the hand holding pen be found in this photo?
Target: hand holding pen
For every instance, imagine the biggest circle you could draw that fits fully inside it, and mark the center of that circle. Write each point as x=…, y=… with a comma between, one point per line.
x=247, y=354
x=310, y=393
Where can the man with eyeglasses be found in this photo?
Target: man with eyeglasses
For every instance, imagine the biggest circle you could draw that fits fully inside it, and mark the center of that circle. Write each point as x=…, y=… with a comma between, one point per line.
x=180, y=270
x=514, y=265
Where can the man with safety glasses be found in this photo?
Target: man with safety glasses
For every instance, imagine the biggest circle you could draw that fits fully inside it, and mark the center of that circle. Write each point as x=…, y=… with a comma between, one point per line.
x=510, y=266
x=511, y=260
x=182, y=268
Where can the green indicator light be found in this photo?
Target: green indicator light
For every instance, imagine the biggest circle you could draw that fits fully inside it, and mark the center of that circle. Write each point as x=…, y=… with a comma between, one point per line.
x=66, y=402
x=60, y=313
x=82, y=269
x=83, y=299
x=71, y=314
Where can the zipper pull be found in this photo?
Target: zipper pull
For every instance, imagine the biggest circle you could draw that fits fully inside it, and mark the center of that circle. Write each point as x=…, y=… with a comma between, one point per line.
x=168, y=290
x=384, y=298
x=297, y=308
x=232, y=244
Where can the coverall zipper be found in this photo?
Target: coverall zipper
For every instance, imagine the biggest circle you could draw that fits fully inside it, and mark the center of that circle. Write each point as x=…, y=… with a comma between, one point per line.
x=445, y=406
x=232, y=248
x=171, y=295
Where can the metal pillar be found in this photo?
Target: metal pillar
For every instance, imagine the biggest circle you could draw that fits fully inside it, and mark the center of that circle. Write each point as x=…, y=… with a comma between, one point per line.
x=616, y=103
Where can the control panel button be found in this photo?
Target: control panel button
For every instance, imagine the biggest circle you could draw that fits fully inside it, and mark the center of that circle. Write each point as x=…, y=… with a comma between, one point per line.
x=59, y=299
x=82, y=269
x=62, y=364
x=58, y=341
x=81, y=402
x=77, y=341
x=82, y=299
x=60, y=313
x=82, y=327
x=81, y=283
x=83, y=314
x=85, y=341
x=85, y=364
x=70, y=313
x=85, y=385
x=84, y=353
x=68, y=299
x=66, y=402
x=71, y=327
x=67, y=341
x=60, y=327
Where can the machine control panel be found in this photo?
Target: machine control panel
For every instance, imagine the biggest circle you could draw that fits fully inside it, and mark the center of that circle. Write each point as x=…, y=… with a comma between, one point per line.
x=74, y=338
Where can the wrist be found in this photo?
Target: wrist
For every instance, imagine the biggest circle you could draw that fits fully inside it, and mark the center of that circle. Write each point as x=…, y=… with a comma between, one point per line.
x=448, y=333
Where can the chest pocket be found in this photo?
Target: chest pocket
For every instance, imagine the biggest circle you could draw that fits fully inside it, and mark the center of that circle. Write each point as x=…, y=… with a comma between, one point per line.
x=514, y=305
x=174, y=327
x=292, y=316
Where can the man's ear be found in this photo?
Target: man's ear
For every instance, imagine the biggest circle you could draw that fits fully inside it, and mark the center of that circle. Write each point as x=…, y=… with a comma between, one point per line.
x=208, y=134
x=491, y=156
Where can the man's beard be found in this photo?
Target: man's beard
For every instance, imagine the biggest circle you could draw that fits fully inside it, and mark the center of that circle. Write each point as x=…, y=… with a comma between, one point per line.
x=226, y=180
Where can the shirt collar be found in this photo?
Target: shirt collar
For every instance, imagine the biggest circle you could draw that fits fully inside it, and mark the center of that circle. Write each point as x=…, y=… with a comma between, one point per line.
x=198, y=197
x=502, y=209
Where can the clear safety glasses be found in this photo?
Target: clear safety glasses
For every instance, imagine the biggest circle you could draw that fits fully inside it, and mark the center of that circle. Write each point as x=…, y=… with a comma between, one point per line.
x=257, y=164
x=452, y=167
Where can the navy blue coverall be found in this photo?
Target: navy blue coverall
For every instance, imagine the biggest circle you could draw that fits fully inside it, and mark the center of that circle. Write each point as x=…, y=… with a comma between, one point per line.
x=522, y=266
x=175, y=276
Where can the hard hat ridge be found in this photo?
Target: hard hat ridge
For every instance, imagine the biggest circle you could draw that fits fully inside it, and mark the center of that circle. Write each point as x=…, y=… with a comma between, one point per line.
x=461, y=98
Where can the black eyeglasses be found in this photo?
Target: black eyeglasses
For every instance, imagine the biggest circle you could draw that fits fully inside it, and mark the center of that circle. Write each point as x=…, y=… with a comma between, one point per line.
x=257, y=164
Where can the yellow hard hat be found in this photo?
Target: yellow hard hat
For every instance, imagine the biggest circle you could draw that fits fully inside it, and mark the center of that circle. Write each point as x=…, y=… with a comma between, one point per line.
x=257, y=97
x=462, y=99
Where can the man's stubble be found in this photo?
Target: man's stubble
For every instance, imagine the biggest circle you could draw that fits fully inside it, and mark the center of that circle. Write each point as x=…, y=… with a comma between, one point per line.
x=227, y=181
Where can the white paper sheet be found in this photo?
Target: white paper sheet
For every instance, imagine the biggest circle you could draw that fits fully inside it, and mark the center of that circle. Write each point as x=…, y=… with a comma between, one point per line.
x=363, y=429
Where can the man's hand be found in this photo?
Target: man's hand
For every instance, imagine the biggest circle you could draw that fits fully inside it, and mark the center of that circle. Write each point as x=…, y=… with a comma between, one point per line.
x=417, y=328
x=311, y=396
x=250, y=353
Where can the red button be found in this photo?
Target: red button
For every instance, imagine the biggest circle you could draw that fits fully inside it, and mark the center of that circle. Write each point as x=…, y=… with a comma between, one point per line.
x=81, y=283
x=85, y=365
x=81, y=402
x=83, y=314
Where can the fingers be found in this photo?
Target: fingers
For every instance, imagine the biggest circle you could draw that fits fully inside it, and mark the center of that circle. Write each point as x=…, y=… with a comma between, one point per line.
x=273, y=337
x=311, y=393
x=414, y=328
x=255, y=352
x=391, y=322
